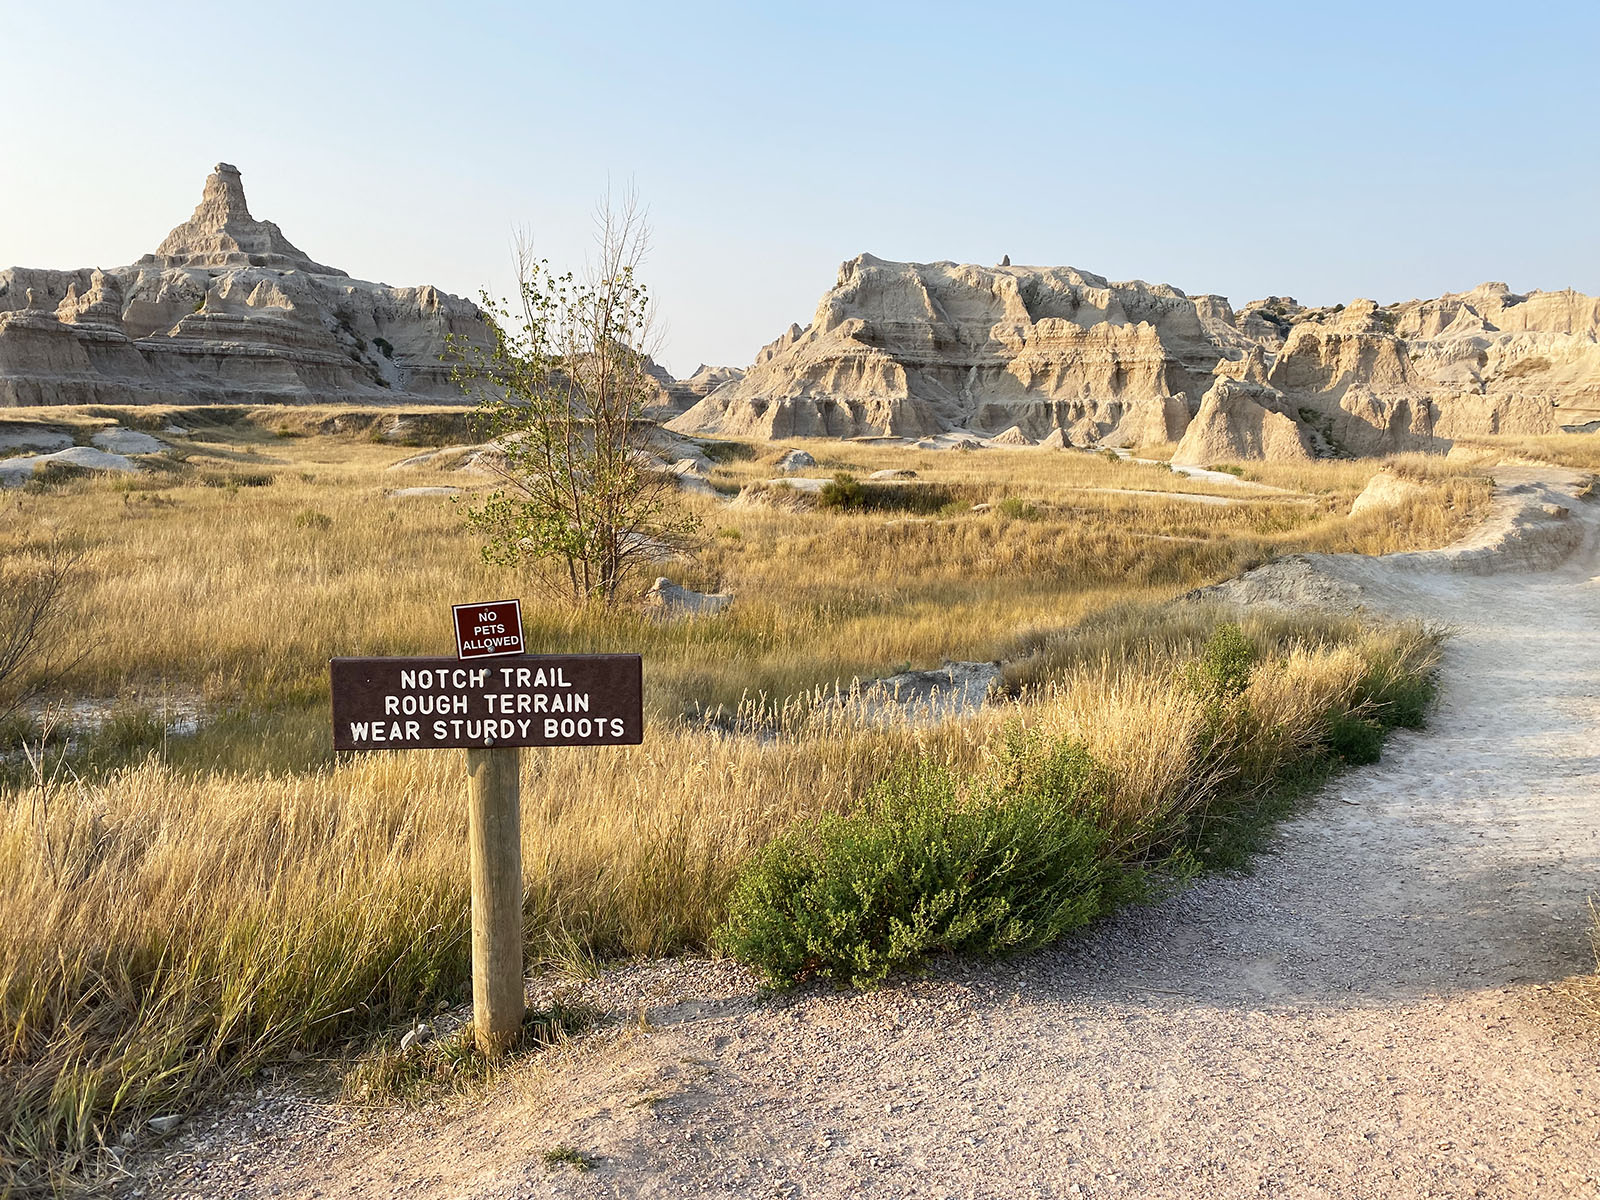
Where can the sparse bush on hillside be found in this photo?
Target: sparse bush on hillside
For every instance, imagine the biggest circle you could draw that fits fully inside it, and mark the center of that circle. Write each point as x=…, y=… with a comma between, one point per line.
x=844, y=490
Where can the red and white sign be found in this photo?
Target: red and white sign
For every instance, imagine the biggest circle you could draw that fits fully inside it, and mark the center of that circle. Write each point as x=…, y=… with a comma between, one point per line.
x=488, y=630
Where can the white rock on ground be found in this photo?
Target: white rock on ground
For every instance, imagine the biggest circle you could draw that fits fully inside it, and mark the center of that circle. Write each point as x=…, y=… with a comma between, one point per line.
x=695, y=485
x=1011, y=437
x=40, y=438
x=17, y=471
x=666, y=599
x=796, y=460
x=800, y=483
x=118, y=440
x=443, y=456
x=402, y=493
x=954, y=690
x=1385, y=490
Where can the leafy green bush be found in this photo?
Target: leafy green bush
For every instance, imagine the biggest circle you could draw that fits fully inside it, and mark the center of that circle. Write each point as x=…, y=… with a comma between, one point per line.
x=844, y=490
x=922, y=868
x=1224, y=667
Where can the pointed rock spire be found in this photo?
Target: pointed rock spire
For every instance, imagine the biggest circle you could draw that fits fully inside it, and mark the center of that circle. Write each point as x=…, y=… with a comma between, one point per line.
x=222, y=233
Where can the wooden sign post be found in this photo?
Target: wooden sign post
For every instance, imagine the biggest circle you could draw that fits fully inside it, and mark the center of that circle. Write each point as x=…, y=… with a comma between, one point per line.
x=491, y=709
x=494, y=836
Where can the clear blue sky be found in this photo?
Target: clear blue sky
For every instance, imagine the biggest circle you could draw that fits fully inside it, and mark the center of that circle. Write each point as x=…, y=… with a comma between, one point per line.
x=1321, y=151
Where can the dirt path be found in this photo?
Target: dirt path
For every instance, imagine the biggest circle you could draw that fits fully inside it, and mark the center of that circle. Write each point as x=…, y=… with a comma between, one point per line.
x=1368, y=1015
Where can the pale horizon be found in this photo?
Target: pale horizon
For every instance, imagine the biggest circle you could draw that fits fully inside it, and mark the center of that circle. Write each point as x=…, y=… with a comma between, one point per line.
x=1244, y=154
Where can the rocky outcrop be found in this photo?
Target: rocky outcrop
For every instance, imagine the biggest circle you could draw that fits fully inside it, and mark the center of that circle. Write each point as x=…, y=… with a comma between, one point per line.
x=914, y=349
x=227, y=310
x=222, y=233
x=1065, y=357
x=1238, y=421
x=1384, y=491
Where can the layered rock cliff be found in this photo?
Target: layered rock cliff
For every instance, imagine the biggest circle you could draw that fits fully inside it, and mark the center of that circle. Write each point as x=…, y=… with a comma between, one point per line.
x=227, y=310
x=914, y=349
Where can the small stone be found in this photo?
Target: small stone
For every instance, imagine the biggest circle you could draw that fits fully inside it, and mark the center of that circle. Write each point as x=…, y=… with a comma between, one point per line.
x=165, y=1124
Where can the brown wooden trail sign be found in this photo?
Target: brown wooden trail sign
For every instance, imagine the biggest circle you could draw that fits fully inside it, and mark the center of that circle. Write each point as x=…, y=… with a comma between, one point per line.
x=524, y=700
x=491, y=708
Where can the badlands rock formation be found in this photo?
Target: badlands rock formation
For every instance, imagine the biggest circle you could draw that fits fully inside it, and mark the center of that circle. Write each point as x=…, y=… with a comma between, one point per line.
x=1061, y=356
x=226, y=310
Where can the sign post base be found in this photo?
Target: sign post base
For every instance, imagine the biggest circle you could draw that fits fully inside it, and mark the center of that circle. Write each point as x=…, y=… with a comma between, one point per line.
x=495, y=839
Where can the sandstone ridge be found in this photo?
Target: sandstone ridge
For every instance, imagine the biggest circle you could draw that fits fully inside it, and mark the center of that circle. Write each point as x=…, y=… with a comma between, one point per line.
x=227, y=310
x=1064, y=356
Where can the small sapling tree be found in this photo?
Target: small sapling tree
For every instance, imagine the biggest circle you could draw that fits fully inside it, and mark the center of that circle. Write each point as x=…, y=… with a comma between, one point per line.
x=562, y=386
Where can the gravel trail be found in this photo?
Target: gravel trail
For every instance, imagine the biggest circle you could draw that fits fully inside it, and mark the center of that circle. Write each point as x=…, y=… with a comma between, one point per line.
x=1372, y=1013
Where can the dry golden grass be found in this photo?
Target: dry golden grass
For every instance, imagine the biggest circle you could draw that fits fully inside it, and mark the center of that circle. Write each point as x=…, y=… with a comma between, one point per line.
x=180, y=920
x=242, y=593
x=1579, y=451
x=167, y=929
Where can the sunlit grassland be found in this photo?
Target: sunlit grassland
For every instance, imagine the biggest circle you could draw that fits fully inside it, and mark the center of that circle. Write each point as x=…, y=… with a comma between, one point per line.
x=239, y=572
x=173, y=921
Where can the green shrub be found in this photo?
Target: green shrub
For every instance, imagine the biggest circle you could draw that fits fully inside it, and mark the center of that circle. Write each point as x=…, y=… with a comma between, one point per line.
x=310, y=518
x=921, y=869
x=1223, y=669
x=569, y=1156
x=1357, y=740
x=385, y=347
x=845, y=491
